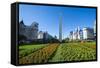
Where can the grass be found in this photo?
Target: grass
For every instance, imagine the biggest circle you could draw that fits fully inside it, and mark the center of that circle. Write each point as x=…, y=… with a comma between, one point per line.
x=44, y=53
x=75, y=52
x=40, y=56
x=25, y=50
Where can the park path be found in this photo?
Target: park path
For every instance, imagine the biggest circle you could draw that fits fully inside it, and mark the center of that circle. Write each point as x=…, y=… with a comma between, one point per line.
x=40, y=56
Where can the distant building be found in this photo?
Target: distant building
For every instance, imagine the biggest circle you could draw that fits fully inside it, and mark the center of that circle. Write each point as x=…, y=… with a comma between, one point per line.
x=85, y=34
x=47, y=36
x=40, y=35
x=88, y=33
x=76, y=35
x=30, y=32
x=55, y=37
x=44, y=35
x=81, y=35
x=95, y=29
x=71, y=35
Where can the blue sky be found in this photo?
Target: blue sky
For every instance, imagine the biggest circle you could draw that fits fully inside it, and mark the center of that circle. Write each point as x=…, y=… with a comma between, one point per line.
x=48, y=18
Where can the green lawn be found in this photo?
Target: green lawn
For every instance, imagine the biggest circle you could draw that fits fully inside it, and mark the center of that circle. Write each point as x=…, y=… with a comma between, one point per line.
x=40, y=56
x=25, y=50
x=63, y=52
x=75, y=52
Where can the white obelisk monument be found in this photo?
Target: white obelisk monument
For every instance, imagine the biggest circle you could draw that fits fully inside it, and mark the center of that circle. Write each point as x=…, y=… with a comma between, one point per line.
x=60, y=28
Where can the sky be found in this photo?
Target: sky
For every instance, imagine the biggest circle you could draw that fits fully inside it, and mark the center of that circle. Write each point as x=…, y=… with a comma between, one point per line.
x=48, y=18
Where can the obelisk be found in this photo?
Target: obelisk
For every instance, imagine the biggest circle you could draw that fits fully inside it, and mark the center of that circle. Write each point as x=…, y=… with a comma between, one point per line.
x=60, y=28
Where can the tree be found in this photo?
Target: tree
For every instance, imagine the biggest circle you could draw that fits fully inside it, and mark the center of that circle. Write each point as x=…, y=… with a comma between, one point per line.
x=22, y=37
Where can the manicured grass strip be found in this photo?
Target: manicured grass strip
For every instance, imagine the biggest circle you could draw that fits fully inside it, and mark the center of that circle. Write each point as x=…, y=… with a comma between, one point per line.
x=40, y=56
x=74, y=52
x=90, y=45
x=25, y=50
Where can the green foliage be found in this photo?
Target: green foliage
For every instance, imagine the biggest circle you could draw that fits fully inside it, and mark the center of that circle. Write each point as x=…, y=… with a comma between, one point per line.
x=40, y=56
x=66, y=40
x=22, y=37
x=25, y=50
x=75, y=52
x=55, y=52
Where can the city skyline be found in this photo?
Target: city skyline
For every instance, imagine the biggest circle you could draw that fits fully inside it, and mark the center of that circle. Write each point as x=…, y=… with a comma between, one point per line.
x=48, y=18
